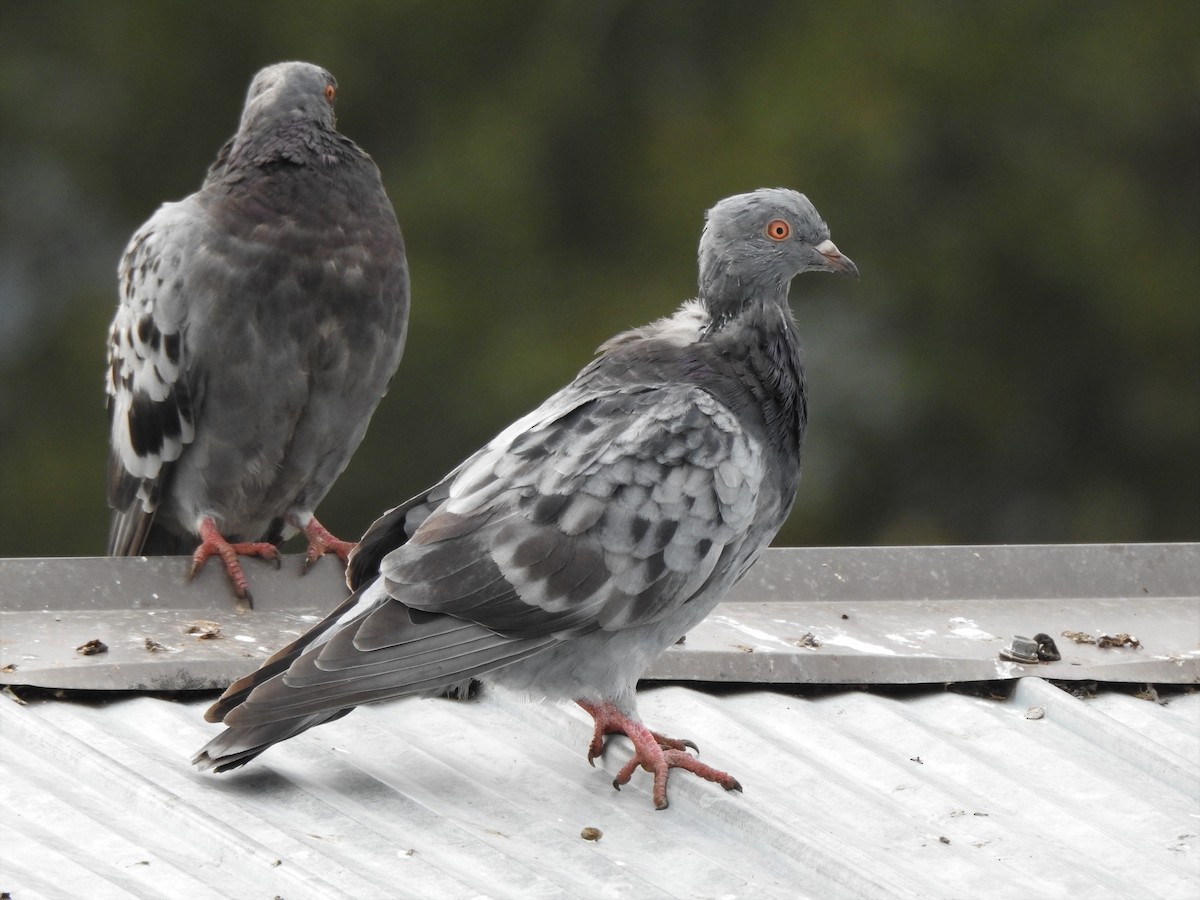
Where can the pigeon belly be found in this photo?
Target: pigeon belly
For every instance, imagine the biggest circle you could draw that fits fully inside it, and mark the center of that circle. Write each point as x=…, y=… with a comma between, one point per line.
x=319, y=331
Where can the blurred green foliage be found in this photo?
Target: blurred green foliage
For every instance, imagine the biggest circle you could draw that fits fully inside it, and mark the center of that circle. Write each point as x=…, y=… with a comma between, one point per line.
x=1018, y=182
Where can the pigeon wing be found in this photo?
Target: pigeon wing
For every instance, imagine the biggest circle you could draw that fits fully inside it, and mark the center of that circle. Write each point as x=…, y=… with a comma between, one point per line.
x=151, y=402
x=610, y=516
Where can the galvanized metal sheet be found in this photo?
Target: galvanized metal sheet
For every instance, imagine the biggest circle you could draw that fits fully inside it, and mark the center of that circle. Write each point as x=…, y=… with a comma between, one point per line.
x=847, y=795
x=901, y=615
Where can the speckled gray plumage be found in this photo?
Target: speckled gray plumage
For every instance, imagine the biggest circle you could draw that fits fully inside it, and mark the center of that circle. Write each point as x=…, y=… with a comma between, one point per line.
x=565, y=555
x=260, y=321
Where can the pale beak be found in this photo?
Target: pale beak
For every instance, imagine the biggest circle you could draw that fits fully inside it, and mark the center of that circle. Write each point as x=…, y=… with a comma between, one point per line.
x=835, y=261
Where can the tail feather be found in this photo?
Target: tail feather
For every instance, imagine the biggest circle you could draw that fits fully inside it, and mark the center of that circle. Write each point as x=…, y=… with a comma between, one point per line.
x=234, y=747
x=135, y=533
x=277, y=701
x=325, y=673
x=237, y=693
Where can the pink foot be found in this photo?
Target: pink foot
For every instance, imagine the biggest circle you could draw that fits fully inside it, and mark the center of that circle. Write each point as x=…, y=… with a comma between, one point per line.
x=212, y=542
x=320, y=542
x=652, y=751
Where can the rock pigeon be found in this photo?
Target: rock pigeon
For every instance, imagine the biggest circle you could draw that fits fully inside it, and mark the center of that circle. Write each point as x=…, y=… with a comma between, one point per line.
x=260, y=321
x=566, y=555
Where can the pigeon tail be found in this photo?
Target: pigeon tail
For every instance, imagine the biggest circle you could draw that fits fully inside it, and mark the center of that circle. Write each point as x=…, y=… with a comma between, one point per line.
x=234, y=747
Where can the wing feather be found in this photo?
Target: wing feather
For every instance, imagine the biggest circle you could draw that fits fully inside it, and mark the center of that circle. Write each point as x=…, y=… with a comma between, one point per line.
x=611, y=515
x=149, y=387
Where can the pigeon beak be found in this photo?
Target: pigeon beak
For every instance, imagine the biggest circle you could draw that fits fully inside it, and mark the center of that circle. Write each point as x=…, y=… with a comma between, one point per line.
x=834, y=261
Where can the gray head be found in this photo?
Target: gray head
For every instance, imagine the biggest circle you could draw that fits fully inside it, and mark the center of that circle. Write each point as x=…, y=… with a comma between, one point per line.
x=287, y=92
x=754, y=245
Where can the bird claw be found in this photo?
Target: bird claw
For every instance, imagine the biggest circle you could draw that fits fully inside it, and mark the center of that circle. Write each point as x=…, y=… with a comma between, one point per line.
x=597, y=748
x=211, y=542
x=599, y=745
x=320, y=542
x=245, y=603
x=680, y=744
x=660, y=766
x=653, y=752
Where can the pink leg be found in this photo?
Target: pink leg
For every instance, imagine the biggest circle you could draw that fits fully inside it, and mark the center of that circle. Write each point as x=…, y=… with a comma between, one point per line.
x=652, y=751
x=320, y=541
x=212, y=542
x=609, y=721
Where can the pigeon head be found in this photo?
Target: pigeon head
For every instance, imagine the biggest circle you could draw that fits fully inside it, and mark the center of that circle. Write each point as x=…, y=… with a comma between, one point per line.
x=288, y=92
x=754, y=244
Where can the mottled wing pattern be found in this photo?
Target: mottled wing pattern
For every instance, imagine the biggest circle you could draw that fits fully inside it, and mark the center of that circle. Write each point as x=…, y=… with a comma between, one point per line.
x=610, y=516
x=150, y=400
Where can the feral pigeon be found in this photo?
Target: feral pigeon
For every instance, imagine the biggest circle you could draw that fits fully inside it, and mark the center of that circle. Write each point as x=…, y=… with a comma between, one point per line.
x=566, y=555
x=260, y=321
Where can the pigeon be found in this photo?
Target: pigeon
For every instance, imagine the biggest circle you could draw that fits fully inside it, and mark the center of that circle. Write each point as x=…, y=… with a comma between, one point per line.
x=260, y=322
x=562, y=558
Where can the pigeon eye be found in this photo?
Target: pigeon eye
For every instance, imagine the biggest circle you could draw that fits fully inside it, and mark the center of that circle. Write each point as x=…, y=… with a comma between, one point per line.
x=778, y=230
x=330, y=93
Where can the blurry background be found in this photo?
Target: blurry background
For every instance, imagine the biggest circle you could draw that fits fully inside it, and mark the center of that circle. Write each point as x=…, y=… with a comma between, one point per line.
x=1018, y=182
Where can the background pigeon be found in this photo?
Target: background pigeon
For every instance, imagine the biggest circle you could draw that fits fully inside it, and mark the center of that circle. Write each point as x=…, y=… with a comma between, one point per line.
x=567, y=554
x=259, y=323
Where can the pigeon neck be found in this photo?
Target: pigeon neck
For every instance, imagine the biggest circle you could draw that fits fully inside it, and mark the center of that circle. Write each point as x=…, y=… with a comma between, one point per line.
x=761, y=341
x=727, y=296
x=297, y=141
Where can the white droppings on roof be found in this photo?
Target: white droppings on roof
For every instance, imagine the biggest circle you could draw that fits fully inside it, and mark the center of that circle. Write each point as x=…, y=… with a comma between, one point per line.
x=843, y=640
x=765, y=638
x=965, y=628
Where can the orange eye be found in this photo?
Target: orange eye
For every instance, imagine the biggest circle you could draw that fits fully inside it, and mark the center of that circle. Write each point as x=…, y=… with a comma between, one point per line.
x=778, y=230
x=330, y=92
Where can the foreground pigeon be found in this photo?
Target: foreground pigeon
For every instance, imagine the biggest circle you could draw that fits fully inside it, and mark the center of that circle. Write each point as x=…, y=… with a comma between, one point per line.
x=259, y=324
x=567, y=554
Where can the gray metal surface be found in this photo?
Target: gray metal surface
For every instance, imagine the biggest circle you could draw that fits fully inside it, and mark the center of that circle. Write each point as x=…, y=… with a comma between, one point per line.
x=867, y=615
x=848, y=794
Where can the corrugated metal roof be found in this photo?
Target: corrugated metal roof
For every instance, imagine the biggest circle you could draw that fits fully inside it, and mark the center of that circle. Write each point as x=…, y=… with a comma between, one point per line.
x=847, y=795
x=1016, y=789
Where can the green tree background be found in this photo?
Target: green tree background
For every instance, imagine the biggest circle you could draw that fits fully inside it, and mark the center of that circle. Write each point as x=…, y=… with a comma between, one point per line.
x=1018, y=182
